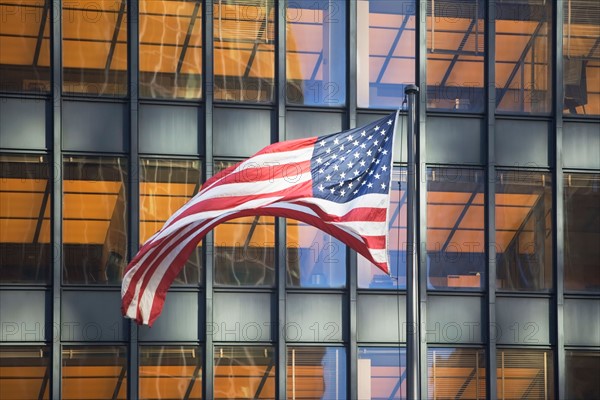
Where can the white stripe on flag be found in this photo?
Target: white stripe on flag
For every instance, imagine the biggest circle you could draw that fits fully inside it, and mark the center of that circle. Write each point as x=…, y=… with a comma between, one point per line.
x=201, y=216
x=271, y=159
x=372, y=200
x=242, y=189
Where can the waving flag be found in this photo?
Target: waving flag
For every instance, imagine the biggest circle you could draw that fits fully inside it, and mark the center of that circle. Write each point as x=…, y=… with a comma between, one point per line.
x=339, y=183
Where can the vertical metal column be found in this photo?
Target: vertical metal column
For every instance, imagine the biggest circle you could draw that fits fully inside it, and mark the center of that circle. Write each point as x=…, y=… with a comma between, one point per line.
x=558, y=197
x=134, y=177
x=280, y=240
x=56, y=220
x=208, y=93
x=421, y=182
x=412, y=262
x=351, y=93
x=490, y=200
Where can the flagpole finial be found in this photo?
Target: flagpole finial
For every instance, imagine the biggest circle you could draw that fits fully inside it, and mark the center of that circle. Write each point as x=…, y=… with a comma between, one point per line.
x=411, y=89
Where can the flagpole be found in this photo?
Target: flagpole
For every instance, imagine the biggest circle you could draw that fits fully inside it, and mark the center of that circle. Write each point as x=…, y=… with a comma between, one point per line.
x=412, y=264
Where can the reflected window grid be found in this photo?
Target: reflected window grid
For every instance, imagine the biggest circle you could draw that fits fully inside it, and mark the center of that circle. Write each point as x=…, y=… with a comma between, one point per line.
x=244, y=372
x=455, y=229
x=524, y=373
x=315, y=259
x=524, y=76
x=381, y=373
x=582, y=232
x=581, y=57
x=316, y=373
x=455, y=55
x=456, y=373
x=25, y=46
x=582, y=369
x=169, y=372
x=524, y=230
x=25, y=372
x=94, y=220
x=25, y=204
x=101, y=370
x=244, y=51
x=316, y=47
x=170, y=49
x=386, y=52
x=94, y=47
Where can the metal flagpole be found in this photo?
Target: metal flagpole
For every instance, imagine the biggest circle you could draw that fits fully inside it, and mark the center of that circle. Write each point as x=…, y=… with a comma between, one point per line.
x=412, y=263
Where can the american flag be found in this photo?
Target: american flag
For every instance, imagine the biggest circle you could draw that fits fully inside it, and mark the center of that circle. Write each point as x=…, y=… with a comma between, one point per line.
x=339, y=183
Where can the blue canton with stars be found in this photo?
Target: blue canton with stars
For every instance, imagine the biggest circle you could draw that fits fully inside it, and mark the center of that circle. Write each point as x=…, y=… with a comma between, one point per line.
x=352, y=163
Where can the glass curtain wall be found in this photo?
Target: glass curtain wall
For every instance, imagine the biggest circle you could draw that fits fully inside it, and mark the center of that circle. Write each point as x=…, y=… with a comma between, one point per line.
x=25, y=204
x=94, y=372
x=525, y=374
x=170, y=372
x=315, y=41
x=385, y=51
x=244, y=372
x=95, y=228
x=244, y=50
x=316, y=373
x=581, y=57
x=582, y=232
x=94, y=220
x=456, y=373
x=524, y=230
x=94, y=47
x=170, y=49
x=455, y=53
x=381, y=373
x=25, y=46
x=524, y=56
x=24, y=372
x=455, y=229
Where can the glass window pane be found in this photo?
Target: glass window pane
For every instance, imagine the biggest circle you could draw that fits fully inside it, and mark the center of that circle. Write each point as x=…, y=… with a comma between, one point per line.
x=94, y=372
x=244, y=372
x=523, y=230
x=381, y=373
x=582, y=232
x=165, y=186
x=455, y=52
x=455, y=229
x=94, y=220
x=25, y=46
x=456, y=373
x=582, y=371
x=25, y=204
x=524, y=56
x=386, y=51
x=24, y=372
x=94, y=49
x=244, y=49
x=581, y=57
x=170, y=372
x=170, y=49
x=316, y=52
x=314, y=258
x=525, y=374
x=371, y=277
x=316, y=373
x=244, y=249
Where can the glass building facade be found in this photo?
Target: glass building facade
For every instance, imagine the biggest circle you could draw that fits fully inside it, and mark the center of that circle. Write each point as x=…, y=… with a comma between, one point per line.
x=114, y=112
